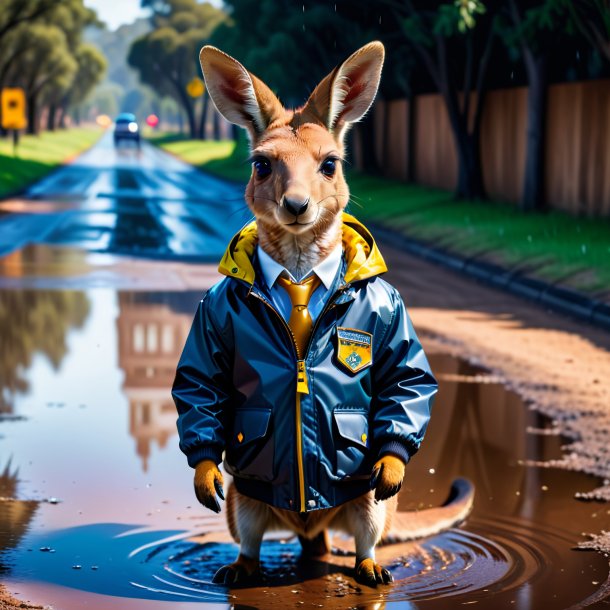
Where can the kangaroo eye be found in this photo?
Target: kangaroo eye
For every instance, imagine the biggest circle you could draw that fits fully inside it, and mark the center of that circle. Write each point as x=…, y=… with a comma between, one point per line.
x=262, y=167
x=329, y=167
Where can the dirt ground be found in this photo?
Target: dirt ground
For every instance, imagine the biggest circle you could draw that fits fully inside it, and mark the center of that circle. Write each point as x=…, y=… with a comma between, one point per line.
x=8, y=602
x=559, y=366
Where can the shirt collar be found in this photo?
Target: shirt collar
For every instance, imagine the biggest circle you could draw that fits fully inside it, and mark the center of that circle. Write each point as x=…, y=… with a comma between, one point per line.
x=326, y=270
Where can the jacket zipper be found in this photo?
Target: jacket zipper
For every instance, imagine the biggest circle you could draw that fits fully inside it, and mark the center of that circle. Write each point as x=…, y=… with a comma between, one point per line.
x=302, y=386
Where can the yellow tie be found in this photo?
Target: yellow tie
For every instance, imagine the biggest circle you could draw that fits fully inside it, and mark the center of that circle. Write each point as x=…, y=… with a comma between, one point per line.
x=300, y=321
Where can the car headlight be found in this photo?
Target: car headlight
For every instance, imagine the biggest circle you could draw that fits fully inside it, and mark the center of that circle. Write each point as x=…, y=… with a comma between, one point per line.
x=133, y=127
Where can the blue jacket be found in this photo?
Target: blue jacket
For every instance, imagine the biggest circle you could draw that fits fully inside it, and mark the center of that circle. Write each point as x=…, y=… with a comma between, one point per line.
x=302, y=431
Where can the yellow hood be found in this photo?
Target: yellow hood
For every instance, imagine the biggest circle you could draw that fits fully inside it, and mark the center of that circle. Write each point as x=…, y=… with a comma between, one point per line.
x=361, y=253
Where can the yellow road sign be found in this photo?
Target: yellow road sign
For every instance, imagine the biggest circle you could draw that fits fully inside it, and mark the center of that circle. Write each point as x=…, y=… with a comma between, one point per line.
x=13, y=108
x=195, y=87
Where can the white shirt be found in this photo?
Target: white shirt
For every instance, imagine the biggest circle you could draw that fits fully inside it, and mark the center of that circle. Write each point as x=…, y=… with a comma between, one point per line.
x=326, y=271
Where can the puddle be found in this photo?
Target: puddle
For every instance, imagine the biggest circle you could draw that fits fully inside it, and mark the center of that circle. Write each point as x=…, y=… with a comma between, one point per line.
x=97, y=507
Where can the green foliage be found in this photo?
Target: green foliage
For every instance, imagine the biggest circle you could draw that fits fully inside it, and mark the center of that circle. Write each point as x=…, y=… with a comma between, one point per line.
x=41, y=50
x=166, y=58
x=292, y=46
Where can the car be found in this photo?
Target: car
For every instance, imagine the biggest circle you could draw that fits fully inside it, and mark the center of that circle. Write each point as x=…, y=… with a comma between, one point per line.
x=126, y=128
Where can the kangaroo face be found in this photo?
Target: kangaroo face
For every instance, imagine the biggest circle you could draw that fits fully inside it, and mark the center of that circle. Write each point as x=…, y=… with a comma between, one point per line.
x=297, y=190
x=297, y=181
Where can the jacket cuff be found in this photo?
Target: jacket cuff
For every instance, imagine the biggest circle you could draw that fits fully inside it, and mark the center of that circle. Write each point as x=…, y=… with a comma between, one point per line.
x=207, y=452
x=395, y=448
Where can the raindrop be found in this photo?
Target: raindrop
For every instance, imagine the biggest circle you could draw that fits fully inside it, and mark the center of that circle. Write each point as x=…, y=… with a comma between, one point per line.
x=512, y=75
x=94, y=567
x=76, y=567
x=45, y=549
x=53, y=500
x=379, y=19
x=544, y=488
x=583, y=248
x=431, y=471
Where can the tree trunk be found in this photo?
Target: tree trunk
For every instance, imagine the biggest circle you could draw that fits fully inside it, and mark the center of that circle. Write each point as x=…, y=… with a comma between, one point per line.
x=32, y=112
x=367, y=138
x=532, y=196
x=470, y=182
x=202, y=119
x=216, y=124
x=52, y=116
x=62, y=118
x=411, y=141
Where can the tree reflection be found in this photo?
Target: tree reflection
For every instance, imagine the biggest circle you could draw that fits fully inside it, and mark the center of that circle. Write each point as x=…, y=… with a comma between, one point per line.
x=31, y=322
x=15, y=515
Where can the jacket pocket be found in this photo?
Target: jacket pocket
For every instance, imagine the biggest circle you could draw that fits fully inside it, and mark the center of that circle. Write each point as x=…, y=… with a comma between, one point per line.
x=250, y=449
x=351, y=429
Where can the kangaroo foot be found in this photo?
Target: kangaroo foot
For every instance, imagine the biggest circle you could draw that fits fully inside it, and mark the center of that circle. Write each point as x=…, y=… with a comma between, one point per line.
x=371, y=574
x=240, y=572
x=315, y=547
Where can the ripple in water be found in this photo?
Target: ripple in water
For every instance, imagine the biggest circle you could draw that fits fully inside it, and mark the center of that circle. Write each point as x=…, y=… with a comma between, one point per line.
x=483, y=564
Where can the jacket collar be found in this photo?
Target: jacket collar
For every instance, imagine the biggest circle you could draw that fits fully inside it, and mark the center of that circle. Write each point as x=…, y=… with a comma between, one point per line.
x=362, y=257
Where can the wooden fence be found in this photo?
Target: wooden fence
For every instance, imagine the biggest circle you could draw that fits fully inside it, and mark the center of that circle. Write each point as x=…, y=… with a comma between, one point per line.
x=577, y=164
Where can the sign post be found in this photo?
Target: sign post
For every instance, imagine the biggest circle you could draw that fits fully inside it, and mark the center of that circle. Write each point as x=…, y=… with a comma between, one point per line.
x=195, y=87
x=12, y=101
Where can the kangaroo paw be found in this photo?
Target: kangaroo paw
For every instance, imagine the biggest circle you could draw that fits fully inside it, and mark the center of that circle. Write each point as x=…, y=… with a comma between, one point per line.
x=242, y=571
x=372, y=574
x=316, y=547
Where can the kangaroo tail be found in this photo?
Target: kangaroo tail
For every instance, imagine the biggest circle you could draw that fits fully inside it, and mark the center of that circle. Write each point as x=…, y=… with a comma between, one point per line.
x=419, y=524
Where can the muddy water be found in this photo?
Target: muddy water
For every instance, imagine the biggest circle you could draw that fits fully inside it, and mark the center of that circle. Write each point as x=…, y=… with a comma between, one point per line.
x=97, y=508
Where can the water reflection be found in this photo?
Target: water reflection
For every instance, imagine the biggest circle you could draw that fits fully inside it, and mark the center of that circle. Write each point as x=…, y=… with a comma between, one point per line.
x=15, y=515
x=151, y=331
x=34, y=322
x=114, y=382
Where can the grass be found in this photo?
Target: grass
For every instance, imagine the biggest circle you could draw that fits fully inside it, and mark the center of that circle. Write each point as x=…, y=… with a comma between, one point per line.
x=225, y=158
x=38, y=155
x=552, y=246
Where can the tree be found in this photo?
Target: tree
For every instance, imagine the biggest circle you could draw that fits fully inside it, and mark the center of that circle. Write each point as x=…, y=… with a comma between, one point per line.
x=16, y=12
x=539, y=30
x=42, y=52
x=91, y=68
x=167, y=57
x=455, y=43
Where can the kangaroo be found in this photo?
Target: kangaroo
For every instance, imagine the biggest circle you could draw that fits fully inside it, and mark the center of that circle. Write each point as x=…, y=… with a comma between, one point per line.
x=298, y=193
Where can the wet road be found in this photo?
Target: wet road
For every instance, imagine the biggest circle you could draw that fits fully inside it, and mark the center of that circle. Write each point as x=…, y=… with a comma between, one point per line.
x=129, y=202
x=98, y=285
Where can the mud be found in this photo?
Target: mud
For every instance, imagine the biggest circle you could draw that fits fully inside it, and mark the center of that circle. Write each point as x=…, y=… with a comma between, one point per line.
x=560, y=367
x=98, y=509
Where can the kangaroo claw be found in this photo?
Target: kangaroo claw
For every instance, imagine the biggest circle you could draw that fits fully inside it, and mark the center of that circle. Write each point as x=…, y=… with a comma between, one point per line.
x=372, y=574
x=241, y=572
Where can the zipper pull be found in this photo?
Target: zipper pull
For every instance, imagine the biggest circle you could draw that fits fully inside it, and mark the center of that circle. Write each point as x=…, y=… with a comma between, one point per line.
x=302, y=386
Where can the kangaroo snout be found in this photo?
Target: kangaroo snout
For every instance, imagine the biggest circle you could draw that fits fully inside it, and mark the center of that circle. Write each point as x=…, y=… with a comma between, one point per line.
x=295, y=205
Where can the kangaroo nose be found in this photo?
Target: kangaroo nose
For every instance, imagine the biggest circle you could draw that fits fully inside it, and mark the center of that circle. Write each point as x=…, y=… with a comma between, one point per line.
x=296, y=206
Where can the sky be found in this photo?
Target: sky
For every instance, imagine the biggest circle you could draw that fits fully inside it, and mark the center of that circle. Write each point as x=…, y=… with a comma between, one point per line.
x=118, y=12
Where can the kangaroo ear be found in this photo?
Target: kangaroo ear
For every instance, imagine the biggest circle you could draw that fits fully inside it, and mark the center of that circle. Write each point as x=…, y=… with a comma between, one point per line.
x=344, y=96
x=239, y=96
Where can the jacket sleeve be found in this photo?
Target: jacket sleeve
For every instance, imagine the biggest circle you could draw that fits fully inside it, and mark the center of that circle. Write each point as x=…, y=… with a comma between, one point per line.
x=405, y=388
x=202, y=390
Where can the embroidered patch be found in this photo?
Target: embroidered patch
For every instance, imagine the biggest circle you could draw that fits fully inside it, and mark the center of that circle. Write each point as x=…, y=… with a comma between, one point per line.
x=354, y=348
